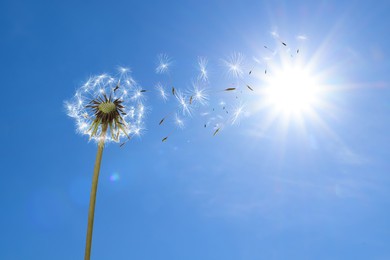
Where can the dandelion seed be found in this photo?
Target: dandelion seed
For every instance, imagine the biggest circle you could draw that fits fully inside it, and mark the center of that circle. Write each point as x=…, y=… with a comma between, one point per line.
x=250, y=72
x=162, y=92
x=237, y=114
x=116, y=87
x=191, y=100
x=216, y=131
x=137, y=93
x=162, y=121
x=164, y=139
x=230, y=89
x=297, y=51
x=163, y=63
x=124, y=70
x=234, y=65
x=179, y=122
x=202, y=64
x=183, y=103
x=173, y=91
x=249, y=87
x=199, y=94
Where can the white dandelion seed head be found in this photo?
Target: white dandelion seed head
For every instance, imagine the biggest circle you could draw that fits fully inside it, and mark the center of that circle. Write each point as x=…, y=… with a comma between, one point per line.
x=161, y=91
x=163, y=63
x=234, y=64
x=121, y=86
x=202, y=66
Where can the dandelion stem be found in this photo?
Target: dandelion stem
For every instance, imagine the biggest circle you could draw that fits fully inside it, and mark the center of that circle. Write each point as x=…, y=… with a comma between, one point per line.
x=95, y=179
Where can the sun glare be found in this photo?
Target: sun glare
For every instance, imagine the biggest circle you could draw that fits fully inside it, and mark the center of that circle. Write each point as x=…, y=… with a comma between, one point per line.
x=291, y=90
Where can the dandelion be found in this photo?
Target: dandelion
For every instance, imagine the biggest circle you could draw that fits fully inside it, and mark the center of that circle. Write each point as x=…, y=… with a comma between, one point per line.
x=234, y=65
x=105, y=112
x=163, y=63
x=202, y=65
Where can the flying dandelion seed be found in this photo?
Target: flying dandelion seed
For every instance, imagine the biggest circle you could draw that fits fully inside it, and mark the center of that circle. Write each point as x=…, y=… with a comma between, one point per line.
x=249, y=87
x=183, y=104
x=199, y=95
x=202, y=66
x=160, y=89
x=162, y=121
x=179, y=122
x=163, y=63
x=237, y=113
x=234, y=65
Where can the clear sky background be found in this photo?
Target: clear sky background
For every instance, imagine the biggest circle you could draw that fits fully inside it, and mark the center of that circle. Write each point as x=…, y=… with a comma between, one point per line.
x=256, y=190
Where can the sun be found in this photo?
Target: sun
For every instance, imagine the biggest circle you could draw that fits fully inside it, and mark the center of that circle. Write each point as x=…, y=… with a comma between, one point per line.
x=291, y=90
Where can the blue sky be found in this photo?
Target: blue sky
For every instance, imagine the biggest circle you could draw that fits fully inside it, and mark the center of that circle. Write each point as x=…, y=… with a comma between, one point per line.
x=263, y=189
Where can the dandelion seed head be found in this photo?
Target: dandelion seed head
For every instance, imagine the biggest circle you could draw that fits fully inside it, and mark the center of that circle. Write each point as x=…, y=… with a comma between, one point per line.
x=115, y=99
x=163, y=63
x=234, y=65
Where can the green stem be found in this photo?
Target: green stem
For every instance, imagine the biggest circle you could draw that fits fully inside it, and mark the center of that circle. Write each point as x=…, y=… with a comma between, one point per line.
x=92, y=201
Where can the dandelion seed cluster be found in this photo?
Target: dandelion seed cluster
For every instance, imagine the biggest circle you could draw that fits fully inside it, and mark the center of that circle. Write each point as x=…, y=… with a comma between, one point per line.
x=114, y=100
x=117, y=101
